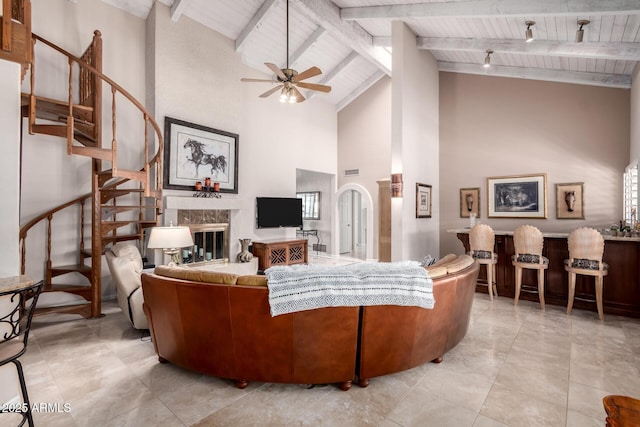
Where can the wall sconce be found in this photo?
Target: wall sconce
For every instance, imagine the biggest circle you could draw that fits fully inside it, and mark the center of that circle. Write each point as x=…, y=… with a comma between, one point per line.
x=170, y=239
x=487, y=59
x=396, y=185
x=528, y=35
x=580, y=32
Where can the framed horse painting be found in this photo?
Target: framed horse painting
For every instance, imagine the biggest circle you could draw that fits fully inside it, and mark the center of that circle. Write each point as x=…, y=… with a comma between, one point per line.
x=193, y=153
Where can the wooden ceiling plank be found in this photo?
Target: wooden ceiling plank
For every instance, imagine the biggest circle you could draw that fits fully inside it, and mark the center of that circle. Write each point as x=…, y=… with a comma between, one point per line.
x=253, y=23
x=592, y=79
x=177, y=9
x=605, y=50
x=310, y=41
x=360, y=89
x=486, y=8
x=335, y=71
x=327, y=14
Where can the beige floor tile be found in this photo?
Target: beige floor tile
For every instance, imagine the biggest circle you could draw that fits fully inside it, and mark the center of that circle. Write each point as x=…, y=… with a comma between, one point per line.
x=515, y=408
x=518, y=366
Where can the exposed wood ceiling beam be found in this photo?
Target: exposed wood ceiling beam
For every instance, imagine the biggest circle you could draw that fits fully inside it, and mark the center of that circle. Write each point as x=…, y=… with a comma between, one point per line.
x=335, y=71
x=593, y=79
x=598, y=50
x=306, y=45
x=327, y=14
x=177, y=9
x=488, y=8
x=359, y=90
x=253, y=23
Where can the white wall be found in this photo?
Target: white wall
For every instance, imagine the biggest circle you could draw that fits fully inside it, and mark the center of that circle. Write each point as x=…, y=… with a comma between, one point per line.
x=415, y=145
x=634, y=153
x=364, y=143
x=197, y=79
x=9, y=208
x=324, y=183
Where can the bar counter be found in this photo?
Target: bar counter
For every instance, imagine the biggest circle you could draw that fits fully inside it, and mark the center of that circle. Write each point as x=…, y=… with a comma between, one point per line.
x=621, y=292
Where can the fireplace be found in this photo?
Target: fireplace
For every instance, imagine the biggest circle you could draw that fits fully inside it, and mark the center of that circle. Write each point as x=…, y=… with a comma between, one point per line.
x=210, y=231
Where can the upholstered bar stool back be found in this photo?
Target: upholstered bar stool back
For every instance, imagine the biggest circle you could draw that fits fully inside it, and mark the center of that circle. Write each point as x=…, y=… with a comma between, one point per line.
x=482, y=239
x=528, y=242
x=586, y=248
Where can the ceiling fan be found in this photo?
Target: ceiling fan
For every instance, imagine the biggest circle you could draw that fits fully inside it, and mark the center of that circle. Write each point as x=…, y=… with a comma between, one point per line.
x=289, y=79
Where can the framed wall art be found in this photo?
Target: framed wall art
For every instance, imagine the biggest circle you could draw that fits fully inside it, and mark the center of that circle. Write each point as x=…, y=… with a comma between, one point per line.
x=469, y=202
x=194, y=152
x=570, y=200
x=519, y=196
x=423, y=200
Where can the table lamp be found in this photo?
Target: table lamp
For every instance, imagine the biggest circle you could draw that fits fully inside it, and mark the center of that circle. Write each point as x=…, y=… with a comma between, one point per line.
x=170, y=239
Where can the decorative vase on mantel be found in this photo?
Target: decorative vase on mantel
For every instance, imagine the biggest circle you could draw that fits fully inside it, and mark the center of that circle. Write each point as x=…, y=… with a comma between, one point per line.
x=244, y=255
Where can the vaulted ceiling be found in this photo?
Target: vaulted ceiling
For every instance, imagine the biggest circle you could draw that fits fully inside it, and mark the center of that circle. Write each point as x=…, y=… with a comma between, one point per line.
x=350, y=40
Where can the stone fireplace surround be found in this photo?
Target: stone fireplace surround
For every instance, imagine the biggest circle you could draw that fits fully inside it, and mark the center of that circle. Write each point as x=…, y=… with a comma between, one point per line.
x=186, y=210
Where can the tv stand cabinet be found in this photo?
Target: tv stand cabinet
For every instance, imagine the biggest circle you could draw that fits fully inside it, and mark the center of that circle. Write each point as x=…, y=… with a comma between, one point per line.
x=280, y=252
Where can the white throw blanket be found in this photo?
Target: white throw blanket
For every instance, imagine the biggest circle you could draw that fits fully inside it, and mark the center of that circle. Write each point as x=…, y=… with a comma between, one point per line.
x=305, y=287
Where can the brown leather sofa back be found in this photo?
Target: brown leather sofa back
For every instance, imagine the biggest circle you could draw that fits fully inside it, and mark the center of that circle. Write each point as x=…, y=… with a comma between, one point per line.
x=227, y=331
x=397, y=338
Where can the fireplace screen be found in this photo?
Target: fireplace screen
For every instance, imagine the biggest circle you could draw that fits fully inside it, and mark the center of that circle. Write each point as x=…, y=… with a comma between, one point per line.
x=209, y=244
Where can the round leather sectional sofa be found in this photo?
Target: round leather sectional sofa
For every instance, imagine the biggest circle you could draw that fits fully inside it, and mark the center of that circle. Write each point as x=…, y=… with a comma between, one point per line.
x=220, y=324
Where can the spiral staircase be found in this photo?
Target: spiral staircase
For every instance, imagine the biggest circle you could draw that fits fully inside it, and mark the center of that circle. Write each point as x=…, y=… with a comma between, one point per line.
x=123, y=203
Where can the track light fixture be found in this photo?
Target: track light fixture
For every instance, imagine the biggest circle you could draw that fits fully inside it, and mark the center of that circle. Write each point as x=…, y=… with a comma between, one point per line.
x=487, y=59
x=528, y=34
x=580, y=32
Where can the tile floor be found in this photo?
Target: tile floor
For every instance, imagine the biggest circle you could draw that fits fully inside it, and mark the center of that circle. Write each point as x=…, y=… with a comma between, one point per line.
x=517, y=366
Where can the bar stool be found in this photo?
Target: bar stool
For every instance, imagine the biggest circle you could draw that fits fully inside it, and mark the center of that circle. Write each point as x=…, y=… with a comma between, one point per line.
x=481, y=242
x=586, y=248
x=528, y=242
x=17, y=305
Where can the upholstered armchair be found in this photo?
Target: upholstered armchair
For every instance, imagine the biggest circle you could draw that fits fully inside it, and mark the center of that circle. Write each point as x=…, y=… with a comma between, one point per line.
x=125, y=265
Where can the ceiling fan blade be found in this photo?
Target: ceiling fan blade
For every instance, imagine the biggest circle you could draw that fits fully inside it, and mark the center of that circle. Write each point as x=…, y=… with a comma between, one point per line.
x=244, y=79
x=270, y=91
x=277, y=71
x=299, y=97
x=311, y=72
x=313, y=86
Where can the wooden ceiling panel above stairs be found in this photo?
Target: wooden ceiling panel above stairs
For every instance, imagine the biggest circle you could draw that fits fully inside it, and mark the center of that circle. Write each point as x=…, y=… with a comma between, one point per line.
x=123, y=203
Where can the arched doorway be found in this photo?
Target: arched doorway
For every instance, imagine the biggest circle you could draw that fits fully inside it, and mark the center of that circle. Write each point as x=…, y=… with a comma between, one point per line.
x=354, y=210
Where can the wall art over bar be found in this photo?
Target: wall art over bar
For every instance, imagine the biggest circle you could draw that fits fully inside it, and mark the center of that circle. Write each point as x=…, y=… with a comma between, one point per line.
x=518, y=196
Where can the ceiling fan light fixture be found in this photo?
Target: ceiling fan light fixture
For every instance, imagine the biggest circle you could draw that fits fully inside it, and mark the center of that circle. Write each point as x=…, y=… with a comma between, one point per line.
x=580, y=32
x=487, y=59
x=528, y=34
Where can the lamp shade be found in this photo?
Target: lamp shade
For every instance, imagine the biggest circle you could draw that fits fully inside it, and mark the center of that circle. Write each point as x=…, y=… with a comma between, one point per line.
x=169, y=237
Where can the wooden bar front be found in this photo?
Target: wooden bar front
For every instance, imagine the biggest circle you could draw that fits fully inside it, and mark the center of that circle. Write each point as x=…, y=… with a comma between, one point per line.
x=621, y=294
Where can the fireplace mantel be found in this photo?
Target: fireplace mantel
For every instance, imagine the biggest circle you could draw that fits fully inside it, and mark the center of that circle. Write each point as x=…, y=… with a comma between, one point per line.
x=184, y=202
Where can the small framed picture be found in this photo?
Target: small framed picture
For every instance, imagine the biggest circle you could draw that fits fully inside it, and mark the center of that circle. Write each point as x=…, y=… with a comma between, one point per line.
x=469, y=202
x=570, y=200
x=423, y=200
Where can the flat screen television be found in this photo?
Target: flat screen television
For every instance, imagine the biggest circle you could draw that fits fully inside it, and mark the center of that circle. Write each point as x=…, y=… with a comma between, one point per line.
x=273, y=212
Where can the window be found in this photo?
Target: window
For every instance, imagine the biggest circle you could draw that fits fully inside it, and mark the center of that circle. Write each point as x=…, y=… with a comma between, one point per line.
x=631, y=194
x=310, y=204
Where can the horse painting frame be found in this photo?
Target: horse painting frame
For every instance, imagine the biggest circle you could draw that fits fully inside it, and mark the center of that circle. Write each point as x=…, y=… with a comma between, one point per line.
x=194, y=152
x=517, y=196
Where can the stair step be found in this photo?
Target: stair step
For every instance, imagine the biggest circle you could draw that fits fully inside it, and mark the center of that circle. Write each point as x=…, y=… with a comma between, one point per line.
x=131, y=174
x=109, y=211
x=93, y=152
x=81, y=290
x=85, y=270
x=119, y=238
x=46, y=108
x=108, y=226
x=108, y=194
x=62, y=302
